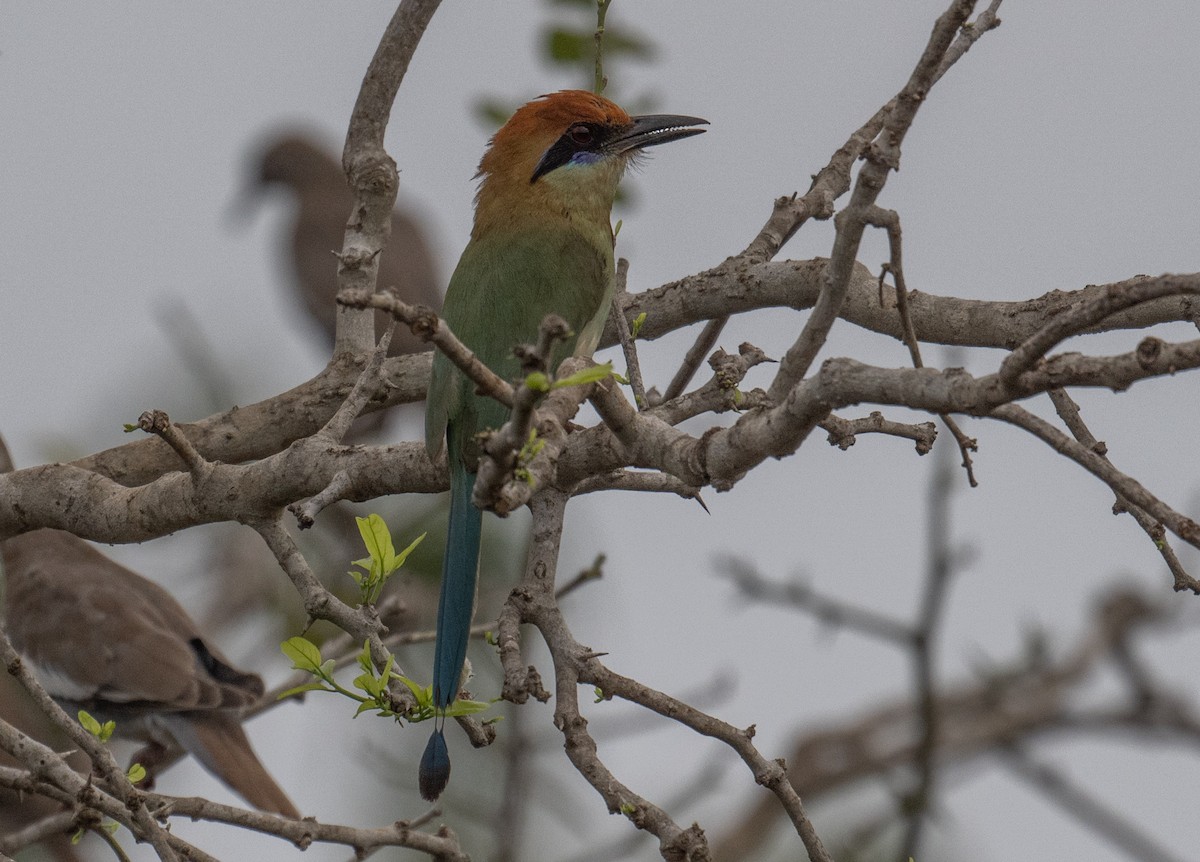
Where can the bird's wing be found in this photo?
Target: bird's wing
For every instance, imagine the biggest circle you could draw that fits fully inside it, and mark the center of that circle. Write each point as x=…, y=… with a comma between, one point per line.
x=95, y=630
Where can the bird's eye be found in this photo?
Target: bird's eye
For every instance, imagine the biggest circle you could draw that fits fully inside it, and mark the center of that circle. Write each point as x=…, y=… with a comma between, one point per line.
x=580, y=135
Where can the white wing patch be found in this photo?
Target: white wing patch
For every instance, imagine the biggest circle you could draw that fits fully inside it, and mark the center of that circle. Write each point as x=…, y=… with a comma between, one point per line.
x=59, y=684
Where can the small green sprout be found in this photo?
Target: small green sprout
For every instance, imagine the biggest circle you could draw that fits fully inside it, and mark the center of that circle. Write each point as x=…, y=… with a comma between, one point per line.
x=372, y=684
x=638, y=323
x=537, y=381
x=102, y=732
x=591, y=374
x=383, y=560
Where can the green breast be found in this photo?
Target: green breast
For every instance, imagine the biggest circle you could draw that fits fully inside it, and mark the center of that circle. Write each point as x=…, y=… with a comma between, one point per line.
x=503, y=287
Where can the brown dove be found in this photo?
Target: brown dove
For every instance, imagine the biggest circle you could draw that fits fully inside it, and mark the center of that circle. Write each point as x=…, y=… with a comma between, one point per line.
x=323, y=203
x=102, y=638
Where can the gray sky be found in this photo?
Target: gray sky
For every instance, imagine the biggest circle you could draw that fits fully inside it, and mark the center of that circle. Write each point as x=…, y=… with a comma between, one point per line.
x=1060, y=152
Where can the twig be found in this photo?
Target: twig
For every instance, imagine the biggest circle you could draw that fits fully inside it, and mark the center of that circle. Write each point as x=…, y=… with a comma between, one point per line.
x=880, y=159
x=344, y=653
x=158, y=423
x=307, y=511
x=842, y=432
x=646, y=482
x=503, y=447
x=111, y=840
x=1107, y=821
x=427, y=326
x=339, y=423
x=890, y=221
x=362, y=623
x=1116, y=298
x=939, y=570
x=632, y=366
x=533, y=601
x=750, y=582
x=722, y=392
x=1068, y=410
x=600, y=82
x=594, y=572
x=335, y=430
x=705, y=342
x=1102, y=469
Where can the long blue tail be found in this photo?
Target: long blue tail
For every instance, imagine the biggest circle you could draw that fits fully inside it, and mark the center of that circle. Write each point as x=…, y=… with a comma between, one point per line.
x=455, y=608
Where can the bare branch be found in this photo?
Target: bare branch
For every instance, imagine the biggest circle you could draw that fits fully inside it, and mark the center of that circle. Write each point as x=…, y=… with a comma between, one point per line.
x=632, y=366
x=426, y=325
x=881, y=157
x=1100, y=467
x=371, y=171
x=1106, y=820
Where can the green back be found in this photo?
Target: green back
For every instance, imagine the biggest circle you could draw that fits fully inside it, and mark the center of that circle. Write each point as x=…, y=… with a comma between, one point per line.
x=503, y=287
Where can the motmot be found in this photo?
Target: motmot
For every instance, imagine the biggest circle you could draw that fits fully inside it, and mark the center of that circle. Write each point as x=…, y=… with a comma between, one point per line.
x=542, y=243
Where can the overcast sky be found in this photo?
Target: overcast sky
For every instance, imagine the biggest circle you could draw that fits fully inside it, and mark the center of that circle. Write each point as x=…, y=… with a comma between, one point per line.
x=1060, y=152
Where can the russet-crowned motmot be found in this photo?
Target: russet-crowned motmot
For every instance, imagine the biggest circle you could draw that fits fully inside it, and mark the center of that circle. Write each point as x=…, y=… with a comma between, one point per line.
x=542, y=243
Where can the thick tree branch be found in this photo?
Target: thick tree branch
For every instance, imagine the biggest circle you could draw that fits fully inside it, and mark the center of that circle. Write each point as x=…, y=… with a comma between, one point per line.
x=371, y=171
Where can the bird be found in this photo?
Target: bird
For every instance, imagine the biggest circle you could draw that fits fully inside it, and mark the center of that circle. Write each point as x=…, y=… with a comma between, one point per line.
x=101, y=638
x=541, y=243
x=324, y=203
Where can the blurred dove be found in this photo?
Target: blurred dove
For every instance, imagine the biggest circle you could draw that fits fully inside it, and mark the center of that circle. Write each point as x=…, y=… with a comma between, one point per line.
x=324, y=202
x=102, y=638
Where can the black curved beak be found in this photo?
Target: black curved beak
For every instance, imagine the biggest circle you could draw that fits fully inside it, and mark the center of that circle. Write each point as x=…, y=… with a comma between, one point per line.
x=652, y=129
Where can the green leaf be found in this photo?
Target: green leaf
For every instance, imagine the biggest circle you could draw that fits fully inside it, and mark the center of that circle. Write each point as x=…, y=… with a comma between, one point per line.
x=89, y=724
x=384, y=560
x=568, y=46
x=378, y=539
x=403, y=555
x=638, y=323
x=135, y=773
x=493, y=112
x=591, y=374
x=370, y=684
x=102, y=732
x=423, y=694
x=466, y=707
x=304, y=654
x=364, y=657
x=129, y=428
x=538, y=382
